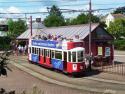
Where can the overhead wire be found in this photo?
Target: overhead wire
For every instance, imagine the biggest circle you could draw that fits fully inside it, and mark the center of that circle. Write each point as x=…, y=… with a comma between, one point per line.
x=62, y=10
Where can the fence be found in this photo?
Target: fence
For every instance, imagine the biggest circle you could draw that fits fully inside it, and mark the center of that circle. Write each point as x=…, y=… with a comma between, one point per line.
x=114, y=68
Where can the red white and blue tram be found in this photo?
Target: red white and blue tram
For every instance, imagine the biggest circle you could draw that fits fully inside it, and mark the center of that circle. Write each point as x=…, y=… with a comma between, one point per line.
x=67, y=56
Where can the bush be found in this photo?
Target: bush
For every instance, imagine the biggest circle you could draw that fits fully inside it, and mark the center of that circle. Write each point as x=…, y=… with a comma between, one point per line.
x=5, y=43
x=119, y=44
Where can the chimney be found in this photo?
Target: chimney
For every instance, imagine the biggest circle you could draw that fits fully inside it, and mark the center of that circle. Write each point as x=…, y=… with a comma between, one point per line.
x=38, y=20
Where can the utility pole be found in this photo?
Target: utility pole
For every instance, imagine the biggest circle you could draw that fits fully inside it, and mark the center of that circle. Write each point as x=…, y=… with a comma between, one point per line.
x=90, y=55
x=31, y=26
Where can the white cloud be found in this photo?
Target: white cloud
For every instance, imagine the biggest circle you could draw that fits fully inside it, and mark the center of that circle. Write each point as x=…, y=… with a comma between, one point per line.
x=43, y=9
x=2, y=10
x=13, y=9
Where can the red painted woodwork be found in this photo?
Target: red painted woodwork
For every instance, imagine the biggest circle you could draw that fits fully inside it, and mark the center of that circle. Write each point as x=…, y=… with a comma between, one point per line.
x=78, y=67
x=42, y=60
x=71, y=45
x=48, y=61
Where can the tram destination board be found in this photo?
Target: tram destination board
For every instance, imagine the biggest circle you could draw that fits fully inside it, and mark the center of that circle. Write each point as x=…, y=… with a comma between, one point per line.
x=46, y=43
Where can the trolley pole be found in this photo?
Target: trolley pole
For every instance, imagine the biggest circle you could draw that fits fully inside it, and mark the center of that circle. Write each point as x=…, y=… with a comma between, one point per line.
x=90, y=55
x=31, y=26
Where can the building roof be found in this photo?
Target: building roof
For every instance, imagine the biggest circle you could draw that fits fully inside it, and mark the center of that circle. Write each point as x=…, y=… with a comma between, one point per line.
x=116, y=16
x=27, y=34
x=66, y=31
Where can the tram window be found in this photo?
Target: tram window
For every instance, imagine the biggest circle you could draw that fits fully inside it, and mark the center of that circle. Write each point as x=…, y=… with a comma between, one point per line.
x=48, y=53
x=65, y=56
x=58, y=55
x=69, y=56
x=39, y=51
x=33, y=50
x=29, y=49
x=80, y=56
x=45, y=51
x=74, y=56
x=53, y=54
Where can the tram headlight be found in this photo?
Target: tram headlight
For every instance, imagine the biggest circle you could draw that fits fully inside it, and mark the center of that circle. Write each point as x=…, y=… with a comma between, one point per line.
x=81, y=67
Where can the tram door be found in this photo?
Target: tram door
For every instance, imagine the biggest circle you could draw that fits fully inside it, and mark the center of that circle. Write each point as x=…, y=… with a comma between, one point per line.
x=41, y=56
x=48, y=57
x=45, y=53
x=65, y=61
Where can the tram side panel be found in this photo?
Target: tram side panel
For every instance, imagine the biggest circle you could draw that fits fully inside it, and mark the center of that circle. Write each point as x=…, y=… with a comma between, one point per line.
x=35, y=58
x=57, y=64
x=75, y=67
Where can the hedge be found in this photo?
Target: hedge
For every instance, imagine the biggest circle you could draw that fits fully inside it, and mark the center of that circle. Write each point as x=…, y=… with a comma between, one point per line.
x=119, y=44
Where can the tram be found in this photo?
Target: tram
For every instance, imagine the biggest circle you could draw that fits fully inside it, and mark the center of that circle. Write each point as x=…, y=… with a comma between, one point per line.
x=66, y=56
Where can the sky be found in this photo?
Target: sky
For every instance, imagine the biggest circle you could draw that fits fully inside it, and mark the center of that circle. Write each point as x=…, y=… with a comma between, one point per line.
x=21, y=6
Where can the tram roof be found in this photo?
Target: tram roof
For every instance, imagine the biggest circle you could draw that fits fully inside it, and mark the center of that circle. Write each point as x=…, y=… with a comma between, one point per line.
x=66, y=31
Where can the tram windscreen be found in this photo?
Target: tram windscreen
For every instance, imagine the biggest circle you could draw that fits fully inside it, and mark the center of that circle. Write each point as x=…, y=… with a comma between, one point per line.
x=74, y=56
x=80, y=56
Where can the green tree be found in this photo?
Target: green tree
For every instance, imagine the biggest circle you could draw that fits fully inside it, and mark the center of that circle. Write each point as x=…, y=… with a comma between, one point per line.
x=83, y=19
x=55, y=18
x=119, y=10
x=15, y=28
x=117, y=28
x=80, y=19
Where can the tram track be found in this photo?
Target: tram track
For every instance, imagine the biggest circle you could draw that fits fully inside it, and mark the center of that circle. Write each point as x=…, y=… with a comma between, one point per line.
x=84, y=87
x=88, y=78
x=61, y=73
x=54, y=81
